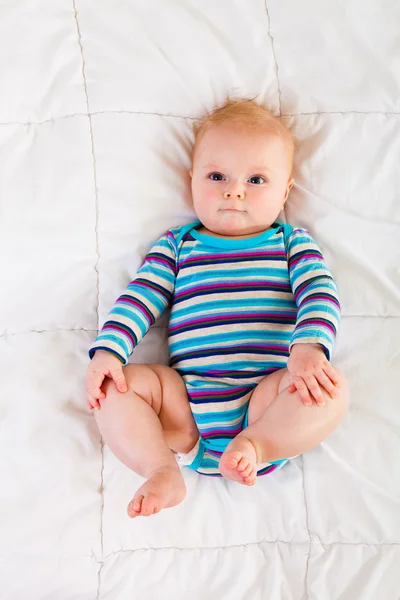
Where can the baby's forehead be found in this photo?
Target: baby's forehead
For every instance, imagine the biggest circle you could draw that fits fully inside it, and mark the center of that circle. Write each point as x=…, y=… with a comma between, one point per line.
x=232, y=138
x=256, y=131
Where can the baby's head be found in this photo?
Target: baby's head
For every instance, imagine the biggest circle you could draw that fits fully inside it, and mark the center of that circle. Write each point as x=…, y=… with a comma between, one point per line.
x=241, y=168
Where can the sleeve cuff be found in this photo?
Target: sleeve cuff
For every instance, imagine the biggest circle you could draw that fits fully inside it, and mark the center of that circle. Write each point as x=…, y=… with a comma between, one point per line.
x=93, y=350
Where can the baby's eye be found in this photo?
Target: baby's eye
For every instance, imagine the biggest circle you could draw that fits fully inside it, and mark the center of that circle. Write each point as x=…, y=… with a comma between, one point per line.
x=216, y=176
x=257, y=179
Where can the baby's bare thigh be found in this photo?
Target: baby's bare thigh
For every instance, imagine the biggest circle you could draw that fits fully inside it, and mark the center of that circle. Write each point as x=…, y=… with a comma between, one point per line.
x=266, y=392
x=164, y=390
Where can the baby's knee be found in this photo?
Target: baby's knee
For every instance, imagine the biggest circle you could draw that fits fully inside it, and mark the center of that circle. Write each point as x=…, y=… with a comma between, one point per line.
x=140, y=377
x=141, y=382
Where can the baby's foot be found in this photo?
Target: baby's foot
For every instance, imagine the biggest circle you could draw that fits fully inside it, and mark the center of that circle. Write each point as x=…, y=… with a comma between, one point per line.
x=239, y=461
x=164, y=488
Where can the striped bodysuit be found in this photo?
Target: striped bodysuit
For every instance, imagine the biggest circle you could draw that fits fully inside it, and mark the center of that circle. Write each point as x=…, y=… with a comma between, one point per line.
x=237, y=307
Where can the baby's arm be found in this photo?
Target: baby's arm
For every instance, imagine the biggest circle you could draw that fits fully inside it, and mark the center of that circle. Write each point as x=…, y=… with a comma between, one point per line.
x=318, y=318
x=142, y=302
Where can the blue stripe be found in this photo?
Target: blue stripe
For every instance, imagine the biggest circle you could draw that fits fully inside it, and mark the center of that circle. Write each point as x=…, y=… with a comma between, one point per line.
x=232, y=274
x=253, y=303
x=324, y=308
x=232, y=366
x=280, y=337
x=116, y=339
x=141, y=322
x=213, y=416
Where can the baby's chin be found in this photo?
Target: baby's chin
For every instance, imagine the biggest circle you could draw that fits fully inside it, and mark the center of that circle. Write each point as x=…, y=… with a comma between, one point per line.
x=234, y=224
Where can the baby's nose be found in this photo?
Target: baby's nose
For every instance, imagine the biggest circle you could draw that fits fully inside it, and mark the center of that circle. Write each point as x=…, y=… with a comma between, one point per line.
x=234, y=193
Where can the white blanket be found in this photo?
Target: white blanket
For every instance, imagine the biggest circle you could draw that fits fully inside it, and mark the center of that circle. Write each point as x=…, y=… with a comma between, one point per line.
x=97, y=103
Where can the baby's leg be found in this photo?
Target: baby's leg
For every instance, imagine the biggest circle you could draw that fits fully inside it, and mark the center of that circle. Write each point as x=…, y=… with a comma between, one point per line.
x=138, y=426
x=280, y=426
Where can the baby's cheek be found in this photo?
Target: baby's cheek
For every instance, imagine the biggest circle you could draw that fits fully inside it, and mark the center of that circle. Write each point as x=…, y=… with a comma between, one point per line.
x=265, y=203
x=206, y=199
x=211, y=197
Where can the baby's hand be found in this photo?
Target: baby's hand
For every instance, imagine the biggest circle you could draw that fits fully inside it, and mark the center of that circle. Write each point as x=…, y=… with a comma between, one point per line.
x=309, y=369
x=102, y=364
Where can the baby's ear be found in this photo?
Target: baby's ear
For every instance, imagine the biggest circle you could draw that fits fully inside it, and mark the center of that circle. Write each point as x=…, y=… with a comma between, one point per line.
x=289, y=187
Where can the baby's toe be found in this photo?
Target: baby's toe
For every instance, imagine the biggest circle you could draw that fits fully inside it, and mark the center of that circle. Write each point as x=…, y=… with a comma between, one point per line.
x=247, y=471
x=134, y=506
x=251, y=479
x=233, y=460
x=243, y=464
x=149, y=504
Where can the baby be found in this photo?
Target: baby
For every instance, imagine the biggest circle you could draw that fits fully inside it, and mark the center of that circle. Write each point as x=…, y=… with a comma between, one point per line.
x=254, y=314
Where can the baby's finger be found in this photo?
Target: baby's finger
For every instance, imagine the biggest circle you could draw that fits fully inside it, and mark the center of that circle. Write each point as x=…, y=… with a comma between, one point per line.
x=92, y=402
x=303, y=390
x=315, y=390
x=119, y=379
x=332, y=373
x=327, y=384
x=94, y=386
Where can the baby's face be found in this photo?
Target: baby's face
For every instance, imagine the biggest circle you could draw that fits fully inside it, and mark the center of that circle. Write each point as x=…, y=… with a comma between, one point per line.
x=240, y=179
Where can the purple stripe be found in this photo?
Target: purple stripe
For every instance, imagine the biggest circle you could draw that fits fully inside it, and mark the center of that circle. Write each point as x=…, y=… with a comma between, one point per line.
x=328, y=297
x=236, y=255
x=229, y=373
x=324, y=298
x=158, y=259
x=305, y=256
x=154, y=287
x=223, y=318
x=234, y=286
x=220, y=432
x=120, y=329
x=233, y=349
x=312, y=280
x=209, y=393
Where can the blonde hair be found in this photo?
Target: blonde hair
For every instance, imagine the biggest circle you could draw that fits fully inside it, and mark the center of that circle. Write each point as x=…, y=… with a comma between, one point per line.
x=246, y=113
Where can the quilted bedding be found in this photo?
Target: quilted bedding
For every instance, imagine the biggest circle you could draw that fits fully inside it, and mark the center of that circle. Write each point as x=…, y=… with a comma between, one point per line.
x=96, y=109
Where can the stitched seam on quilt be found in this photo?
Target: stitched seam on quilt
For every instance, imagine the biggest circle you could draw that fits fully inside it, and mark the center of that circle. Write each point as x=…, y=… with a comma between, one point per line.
x=341, y=112
x=276, y=62
x=98, y=112
x=97, y=273
x=139, y=112
x=308, y=530
x=89, y=330
x=249, y=544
